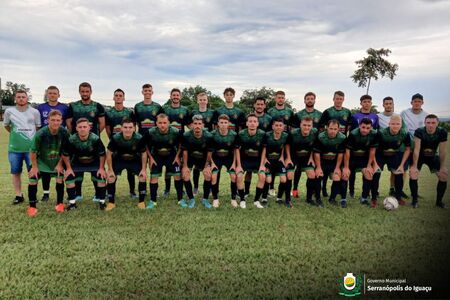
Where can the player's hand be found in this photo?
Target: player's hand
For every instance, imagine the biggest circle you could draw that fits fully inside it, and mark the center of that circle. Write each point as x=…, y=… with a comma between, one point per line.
x=319, y=172
x=176, y=161
x=376, y=167
x=152, y=162
x=68, y=173
x=143, y=174
x=111, y=175
x=346, y=172
x=185, y=172
x=287, y=162
x=59, y=169
x=413, y=171
x=443, y=172
x=239, y=170
x=213, y=166
x=207, y=171
x=33, y=172
x=337, y=172
x=400, y=170
x=101, y=173
x=311, y=162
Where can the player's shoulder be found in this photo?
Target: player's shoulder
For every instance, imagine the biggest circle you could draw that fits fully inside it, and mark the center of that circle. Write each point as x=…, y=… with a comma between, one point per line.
x=342, y=136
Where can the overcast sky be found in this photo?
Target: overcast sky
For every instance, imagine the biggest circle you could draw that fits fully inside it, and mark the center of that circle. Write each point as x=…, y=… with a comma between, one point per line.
x=295, y=46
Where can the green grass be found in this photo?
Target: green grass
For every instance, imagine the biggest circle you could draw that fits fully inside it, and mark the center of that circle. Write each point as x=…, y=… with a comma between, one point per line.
x=223, y=253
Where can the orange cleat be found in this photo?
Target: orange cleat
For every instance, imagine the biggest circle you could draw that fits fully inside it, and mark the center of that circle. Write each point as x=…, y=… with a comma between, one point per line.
x=60, y=208
x=32, y=211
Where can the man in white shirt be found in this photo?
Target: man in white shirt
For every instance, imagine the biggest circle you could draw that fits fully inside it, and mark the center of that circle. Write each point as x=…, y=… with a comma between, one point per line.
x=414, y=117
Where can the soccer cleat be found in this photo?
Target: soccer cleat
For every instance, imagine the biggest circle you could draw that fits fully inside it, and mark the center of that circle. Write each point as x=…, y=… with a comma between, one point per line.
x=206, y=203
x=95, y=199
x=133, y=195
x=151, y=204
x=183, y=203
x=403, y=195
x=272, y=192
x=320, y=203
x=401, y=202
x=191, y=203
x=71, y=206
x=373, y=203
x=59, y=208
x=102, y=205
x=295, y=193
x=415, y=204
x=364, y=201
x=216, y=203
x=288, y=203
x=332, y=202
x=246, y=196
x=166, y=193
x=352, y=195
x=279, y=201
x=195, y=191
x=257, y=204
x=110, y=206
x=79, y=198
x=32, y=211
x=310, y=202
x=324, y=192
x=18, y=200
x=141, y=205
x=264, y=202
x=234, y=203
x=45, y=197
x=440, y=204
x=242, y=204
x=391, y=191
x=343, y=203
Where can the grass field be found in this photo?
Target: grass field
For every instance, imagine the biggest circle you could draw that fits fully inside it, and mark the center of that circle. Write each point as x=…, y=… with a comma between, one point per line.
x=225, y=253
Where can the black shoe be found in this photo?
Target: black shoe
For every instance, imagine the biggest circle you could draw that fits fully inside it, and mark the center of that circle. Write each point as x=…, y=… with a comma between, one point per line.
x=288, y=203
x=440, y=204
x=415, y=204
x=352, y=195
x=264, y=202
x=332, y=202
x=392, y=192
x=71, y=206
x=279, y=202
x=364, y=201
x=343, y=204
x=102, y=205
x=324, y=193
x=310, y=202
x=319, y=203
x=18, y=200
x=45, y=198
x=404, y=196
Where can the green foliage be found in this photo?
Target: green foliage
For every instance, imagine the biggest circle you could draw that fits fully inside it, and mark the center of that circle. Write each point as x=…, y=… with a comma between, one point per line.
x=445, y=125
x=248, y=98
x=7, y=95
x=373, y=109
x=374, y=66
x=189, y=97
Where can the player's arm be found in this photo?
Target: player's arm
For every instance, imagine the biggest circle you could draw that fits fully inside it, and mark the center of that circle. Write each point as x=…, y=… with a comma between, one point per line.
x=185, y=169
x=416, y=152
x=143, y=172
x=288, y=159
x=210, y=159
x=237, y=161
x=101, y=124
x=346, y=159
x=109, y=162
x=405, y=157
x=442, y=154
x=262, y=164
x=108, y=130
x=6, y=122
x=34, y=165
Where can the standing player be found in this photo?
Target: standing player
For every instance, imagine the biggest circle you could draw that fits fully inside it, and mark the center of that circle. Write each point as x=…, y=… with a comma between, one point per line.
x=45, y=155
x=311, y=112
x=328, y=156
x=236, y=116
x=394, y=148
x=126, y=152
x=21, y=121
x=195, y=144
x=299, y=157
x=222, y=153
x=342, y=115
x=250, y=143
x=360, y=157
x=113, y=120
x=414, y=117
x=52, y=95
x=163, y=145
x=427, y=141
x=145, y=112
x=83, y=152
x=274, y=149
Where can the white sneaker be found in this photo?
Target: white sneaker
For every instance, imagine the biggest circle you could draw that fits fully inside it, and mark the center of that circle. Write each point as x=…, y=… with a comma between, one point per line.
x=242, y=204
x=216, y=203
x=272, y=192
x=234, y=203
x=258, y=204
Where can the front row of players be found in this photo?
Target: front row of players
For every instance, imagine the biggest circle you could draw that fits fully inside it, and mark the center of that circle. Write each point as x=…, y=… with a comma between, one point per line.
x=276, y=153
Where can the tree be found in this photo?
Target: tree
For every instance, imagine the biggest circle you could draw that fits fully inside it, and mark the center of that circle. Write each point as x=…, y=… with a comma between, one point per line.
x=373, y=66
x=189, y=97
x=248, y=98
x=7, y=95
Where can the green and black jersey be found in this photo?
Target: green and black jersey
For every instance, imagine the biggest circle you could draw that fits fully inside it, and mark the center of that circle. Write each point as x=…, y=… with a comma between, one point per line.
x=115, y=117
x=126, y=149
x=429, y=143
x=162, y=144
x=83, y=152
x=359, y=144
x=222, y=146
x=145, y=115
x=315, y=115
x=301, y=146
x=329, y=148
x=197, y=147
x=344, y=117
x=389, y=144
x=265, y=122
x=274, y=147
x=251, y=146
x=47, y=147
x=286, y=114
x=178, y=116
x=207, y=115
x=91, y=111
x=236, y=115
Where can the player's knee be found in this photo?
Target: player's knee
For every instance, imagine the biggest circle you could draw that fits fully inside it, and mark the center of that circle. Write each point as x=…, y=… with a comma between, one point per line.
x=261, y=177
x=283, y=179
x=177, y=178
x=233, y=177
x=310, y=174
x=337, y=177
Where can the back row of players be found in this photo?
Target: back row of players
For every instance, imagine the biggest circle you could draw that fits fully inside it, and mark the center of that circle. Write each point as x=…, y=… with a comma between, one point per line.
x=281, y=143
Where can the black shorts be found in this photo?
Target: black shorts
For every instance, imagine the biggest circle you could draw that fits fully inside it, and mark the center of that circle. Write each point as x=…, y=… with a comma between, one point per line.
x=196, y=163
x=392, y=161
x=131, y=166
x=301, y=164
x=171, y=169
x=275, y=168
x=80, y=169
x=251, y=165
x=220, y=162
x=356, y=164
x=433, y=163
x=45, y=175
x=328, y=167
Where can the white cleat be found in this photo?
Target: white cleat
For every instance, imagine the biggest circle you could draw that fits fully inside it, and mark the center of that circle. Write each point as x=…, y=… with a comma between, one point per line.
x=272, y=193
x=257, y=204
x=234, y=203
x=243, y=204
x=216, y=203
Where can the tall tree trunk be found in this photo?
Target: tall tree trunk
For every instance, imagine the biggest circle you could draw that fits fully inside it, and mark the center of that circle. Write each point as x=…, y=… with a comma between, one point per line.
x=368, y=86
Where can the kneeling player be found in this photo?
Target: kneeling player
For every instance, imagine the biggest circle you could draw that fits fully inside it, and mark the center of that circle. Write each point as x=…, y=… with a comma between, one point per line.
x=45, y=155
x=84, y=152
x=427, y=140
x=394, y=148
x=299, y=158
x=360, y=157
x=126, y=152
x=249, y=159
x=195, y=145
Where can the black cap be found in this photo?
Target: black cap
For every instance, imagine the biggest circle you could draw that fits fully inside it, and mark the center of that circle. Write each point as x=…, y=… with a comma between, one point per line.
x=415, y=96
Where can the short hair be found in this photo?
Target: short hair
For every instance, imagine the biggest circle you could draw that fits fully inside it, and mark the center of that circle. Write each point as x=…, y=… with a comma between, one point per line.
x=396, y=117
x=119, y=91
x=388, y=98
x=53, y=87
x=332, y=121
x=260, y=98
x=229, y=90
x=224, y=117
x=365, y=97
x=280, y=93
x=197, y=117
x=432, y=116
x=277, y=119
x=252, y=115
x=127, y=120
x=54, y=112
x=366, y=121
x=147, y=85
x=162, y=116
x=339, y=93
x=309, y=94
x=417, y=96
x=307, y=119
x=175, y=90
x=85, y=84
x=81, y=120
x=21, y=92
x=201, y=94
